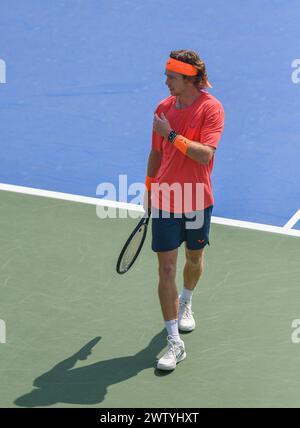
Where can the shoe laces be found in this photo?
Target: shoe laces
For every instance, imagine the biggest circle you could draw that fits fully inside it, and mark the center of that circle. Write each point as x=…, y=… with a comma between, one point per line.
x=172, y=345
x=185, y=310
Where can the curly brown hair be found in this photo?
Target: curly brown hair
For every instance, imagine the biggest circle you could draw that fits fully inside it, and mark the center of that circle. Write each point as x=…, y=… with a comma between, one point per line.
x=191, y=57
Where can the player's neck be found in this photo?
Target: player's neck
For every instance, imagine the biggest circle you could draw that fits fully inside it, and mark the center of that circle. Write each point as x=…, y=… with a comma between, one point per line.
x=187, y=99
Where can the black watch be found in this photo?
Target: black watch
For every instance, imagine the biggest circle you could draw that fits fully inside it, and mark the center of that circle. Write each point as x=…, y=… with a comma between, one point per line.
x=172, y=136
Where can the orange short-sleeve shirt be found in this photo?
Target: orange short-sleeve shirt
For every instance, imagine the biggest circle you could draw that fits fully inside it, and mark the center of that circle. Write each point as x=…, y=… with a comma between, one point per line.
x=202, y=121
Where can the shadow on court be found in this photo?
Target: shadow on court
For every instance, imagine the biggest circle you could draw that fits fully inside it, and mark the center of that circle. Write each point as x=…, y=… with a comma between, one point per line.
x=88, y=385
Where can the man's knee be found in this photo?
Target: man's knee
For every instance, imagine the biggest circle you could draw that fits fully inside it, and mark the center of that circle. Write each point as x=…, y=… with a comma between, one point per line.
x=167, y=270
x=195, y=258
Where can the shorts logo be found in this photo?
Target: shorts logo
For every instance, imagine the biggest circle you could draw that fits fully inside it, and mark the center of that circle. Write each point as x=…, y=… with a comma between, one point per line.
x=200, y=241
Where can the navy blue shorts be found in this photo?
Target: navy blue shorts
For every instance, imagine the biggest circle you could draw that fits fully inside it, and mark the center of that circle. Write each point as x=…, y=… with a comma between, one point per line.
x=169, y=233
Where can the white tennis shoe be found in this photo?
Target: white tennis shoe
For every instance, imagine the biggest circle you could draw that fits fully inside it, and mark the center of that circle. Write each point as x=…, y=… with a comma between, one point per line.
x=174, y=354
x=186, y=321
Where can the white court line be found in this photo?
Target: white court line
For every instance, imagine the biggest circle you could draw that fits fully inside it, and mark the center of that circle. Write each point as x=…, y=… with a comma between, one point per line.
x=69, y=197
x=292, y=221
x=255, y=226
x=133, y=207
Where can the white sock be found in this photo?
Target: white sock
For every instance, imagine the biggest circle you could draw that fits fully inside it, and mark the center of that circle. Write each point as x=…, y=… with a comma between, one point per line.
x=172, y=329
x=186, y=296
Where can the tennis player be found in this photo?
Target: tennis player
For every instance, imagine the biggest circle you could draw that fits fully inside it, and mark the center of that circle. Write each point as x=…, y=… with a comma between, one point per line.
x=187, y=127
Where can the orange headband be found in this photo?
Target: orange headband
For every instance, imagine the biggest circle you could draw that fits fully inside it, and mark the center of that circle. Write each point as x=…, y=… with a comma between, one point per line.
x=183, y=68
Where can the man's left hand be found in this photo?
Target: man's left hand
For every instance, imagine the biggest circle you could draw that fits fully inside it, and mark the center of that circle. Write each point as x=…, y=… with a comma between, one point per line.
x=161, y=125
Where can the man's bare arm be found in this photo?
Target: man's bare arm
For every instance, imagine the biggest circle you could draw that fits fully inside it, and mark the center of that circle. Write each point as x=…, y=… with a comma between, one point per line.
x=200, y=152
x=195, y=150
x=154, y=161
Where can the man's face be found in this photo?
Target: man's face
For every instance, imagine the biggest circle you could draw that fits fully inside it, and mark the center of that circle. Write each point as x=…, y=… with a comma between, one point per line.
x=176, y=83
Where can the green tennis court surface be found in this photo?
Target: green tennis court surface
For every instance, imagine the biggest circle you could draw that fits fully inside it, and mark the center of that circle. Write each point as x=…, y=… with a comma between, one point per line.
x=59, y=291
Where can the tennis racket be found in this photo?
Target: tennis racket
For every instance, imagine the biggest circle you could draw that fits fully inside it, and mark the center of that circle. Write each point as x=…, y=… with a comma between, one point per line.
x=133, y=245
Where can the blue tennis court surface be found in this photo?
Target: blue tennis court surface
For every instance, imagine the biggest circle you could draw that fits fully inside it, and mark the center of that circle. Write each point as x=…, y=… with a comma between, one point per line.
x=83, y=79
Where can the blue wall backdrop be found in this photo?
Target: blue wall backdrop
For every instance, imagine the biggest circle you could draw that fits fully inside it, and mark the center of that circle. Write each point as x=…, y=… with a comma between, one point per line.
x=83, y=79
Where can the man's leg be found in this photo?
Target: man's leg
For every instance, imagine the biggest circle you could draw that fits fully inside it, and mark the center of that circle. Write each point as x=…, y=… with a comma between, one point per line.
x=195, y=257
x=191, y=274
x=168, y=297
x=193, y=267
x=167, y=290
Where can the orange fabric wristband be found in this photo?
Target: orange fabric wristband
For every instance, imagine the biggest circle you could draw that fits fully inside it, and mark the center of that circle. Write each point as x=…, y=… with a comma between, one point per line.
x=181, y=143
x=148, y=182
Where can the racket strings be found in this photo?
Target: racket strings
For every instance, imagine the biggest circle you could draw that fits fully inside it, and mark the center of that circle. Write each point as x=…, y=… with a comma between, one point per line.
x=132, y=249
